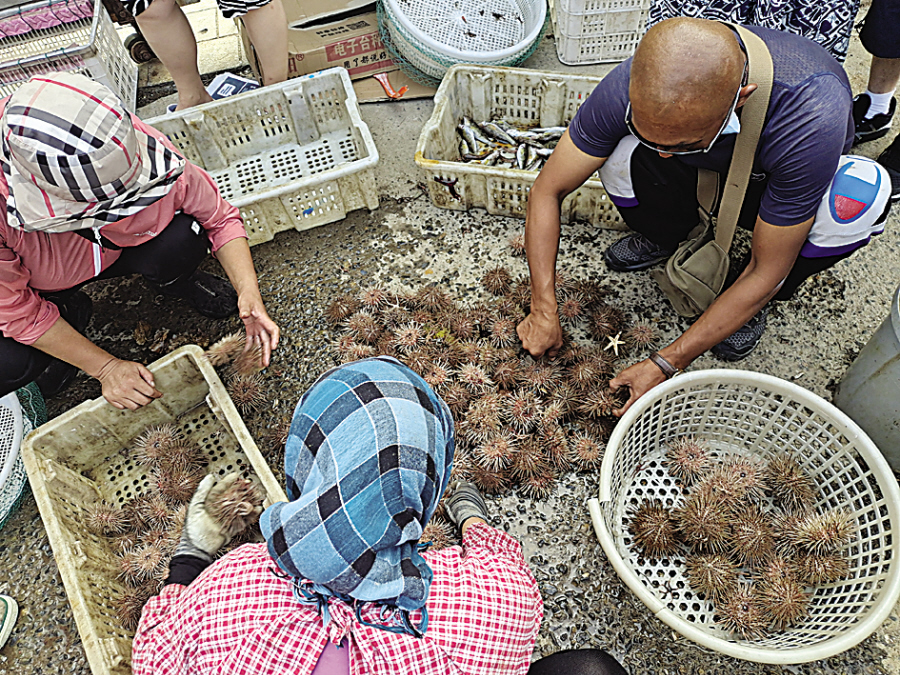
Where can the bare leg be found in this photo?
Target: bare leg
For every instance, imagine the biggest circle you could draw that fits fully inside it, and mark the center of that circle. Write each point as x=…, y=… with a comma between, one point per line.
x=169, y=35
x=267, y=28
x=884, y=75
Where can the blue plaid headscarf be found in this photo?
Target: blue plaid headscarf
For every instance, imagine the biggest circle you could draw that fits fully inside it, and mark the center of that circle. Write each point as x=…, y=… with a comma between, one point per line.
x=367, y=459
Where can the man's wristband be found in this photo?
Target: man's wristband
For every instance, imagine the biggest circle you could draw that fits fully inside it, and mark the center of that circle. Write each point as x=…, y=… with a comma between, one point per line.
x=667, y=368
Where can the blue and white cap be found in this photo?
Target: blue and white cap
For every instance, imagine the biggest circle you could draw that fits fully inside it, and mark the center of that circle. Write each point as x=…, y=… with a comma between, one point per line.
x=852, y=209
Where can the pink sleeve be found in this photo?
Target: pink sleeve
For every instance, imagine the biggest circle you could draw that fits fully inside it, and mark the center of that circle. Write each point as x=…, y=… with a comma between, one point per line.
x=24, y=315
x=200, y=198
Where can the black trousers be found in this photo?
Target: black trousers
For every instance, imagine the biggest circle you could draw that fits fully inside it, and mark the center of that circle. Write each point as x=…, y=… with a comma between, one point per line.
x=171, y=256
x=666, y=192
x=577, y=662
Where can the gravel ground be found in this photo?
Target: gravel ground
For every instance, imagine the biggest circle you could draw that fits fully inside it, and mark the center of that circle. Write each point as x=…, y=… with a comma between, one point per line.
x=406, y=242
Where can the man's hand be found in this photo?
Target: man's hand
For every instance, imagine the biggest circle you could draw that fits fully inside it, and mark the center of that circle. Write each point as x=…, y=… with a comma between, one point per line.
x=639, y=378
x=261, y=330
x=541, y=334
x=127, y=384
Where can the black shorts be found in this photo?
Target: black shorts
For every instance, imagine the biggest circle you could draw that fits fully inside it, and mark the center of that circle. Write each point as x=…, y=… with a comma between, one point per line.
x=880, y=34
x=229, y=8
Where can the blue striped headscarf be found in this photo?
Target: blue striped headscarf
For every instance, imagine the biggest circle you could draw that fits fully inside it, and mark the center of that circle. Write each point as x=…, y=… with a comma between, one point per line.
x=367, y=459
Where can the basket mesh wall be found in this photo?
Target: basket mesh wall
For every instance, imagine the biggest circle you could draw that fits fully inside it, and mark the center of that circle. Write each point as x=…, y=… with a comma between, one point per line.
x=737, y=418
x=598, y=31
x=14, y=490
x=433, y=63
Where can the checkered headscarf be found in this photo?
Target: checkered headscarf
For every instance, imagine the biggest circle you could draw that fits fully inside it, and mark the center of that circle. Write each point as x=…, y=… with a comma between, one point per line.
x=367, y=459
x=73, y=159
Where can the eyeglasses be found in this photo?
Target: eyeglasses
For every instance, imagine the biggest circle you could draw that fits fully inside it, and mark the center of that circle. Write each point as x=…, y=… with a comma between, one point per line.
x=673, y=149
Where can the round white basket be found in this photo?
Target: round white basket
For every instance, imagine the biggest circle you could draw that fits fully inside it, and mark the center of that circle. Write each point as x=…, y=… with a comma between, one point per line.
x=433, y=35
x=750, y=414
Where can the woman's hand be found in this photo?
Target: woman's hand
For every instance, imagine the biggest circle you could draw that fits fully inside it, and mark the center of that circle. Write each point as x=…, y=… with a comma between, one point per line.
x=261, y=330
x=127, y=384
x=639, y=378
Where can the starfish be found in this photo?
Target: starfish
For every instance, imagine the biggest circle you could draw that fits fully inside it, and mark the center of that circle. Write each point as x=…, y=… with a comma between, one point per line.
x=615, y=343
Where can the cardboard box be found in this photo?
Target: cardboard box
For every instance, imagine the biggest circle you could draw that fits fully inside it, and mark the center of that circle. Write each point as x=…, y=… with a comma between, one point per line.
x=343, y=40
x=324, y=34
x=369, y=90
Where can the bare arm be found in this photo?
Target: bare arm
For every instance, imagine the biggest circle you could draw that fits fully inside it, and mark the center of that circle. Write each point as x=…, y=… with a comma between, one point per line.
x=125, y=384
x=238, y=264
x=566, y=170
x=774, y=251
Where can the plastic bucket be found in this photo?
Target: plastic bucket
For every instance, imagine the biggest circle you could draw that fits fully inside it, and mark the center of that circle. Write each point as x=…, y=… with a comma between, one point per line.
x=870, y=389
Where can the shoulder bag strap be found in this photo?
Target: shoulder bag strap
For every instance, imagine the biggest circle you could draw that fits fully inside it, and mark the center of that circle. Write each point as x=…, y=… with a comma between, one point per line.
x=752, y=118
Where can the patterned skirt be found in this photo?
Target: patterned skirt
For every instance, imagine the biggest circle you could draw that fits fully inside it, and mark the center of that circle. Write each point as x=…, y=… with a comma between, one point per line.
x=827, y=22
x=229, y=8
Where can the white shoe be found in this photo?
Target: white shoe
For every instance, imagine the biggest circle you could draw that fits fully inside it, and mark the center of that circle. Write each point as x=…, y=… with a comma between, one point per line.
x=9, y=612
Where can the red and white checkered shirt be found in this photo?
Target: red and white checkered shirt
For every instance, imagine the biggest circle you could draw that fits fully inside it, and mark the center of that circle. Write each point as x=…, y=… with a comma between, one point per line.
x=484, y=612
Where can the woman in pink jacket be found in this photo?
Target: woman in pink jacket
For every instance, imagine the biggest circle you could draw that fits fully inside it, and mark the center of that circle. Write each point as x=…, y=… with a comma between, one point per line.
x=92, y=193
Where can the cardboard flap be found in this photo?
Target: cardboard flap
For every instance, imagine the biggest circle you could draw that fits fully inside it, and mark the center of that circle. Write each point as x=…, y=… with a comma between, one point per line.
x=309, y=13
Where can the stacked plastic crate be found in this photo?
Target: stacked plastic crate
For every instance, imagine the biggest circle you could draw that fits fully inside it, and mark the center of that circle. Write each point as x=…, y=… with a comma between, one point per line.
x=64, y=35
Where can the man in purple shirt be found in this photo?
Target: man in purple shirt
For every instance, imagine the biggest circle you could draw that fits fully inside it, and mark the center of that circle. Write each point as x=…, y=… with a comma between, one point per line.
x=673, y=108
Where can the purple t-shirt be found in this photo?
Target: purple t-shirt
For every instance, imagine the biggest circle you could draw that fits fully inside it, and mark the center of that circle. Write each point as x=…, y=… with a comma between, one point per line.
x=808, y=127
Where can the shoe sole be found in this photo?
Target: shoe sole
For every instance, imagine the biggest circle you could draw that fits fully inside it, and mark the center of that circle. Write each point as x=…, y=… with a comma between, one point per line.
x=9, y=621
x=870, y=135
x=636, y=267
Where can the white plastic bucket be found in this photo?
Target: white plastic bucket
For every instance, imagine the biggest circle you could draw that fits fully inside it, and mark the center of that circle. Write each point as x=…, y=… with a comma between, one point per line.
x=869, y=392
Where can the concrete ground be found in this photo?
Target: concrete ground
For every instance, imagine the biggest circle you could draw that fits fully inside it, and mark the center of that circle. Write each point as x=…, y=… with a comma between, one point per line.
x=407, y=241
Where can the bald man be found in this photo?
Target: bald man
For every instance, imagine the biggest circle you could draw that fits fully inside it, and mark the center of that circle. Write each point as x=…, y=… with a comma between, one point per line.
x=673, y=108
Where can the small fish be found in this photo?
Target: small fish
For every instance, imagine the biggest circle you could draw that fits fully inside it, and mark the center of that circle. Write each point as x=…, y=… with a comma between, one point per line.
x=468, y=134
x=535, y=165
x=544, y=153
x=497, y=132
x=491, y=159
x=476, y=156
x=521, y=156
x=464, y=148
x=555, y=131
x=530, y=156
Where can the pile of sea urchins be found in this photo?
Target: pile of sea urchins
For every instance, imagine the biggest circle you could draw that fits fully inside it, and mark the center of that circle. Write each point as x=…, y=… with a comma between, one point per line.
x=751, y=541
x=147, y=528
x=519, y=421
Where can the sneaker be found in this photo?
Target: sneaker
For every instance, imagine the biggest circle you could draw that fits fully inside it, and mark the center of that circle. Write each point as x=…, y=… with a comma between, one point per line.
x=9, y=612
x=634, y=252
x=890, y=160
x=744, y=340
x=877, y=126
x=464, y=501
x=77, y=309
x=210, y=295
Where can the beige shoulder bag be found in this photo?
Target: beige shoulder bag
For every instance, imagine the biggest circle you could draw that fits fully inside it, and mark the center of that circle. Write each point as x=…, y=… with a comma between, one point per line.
x=695, y=274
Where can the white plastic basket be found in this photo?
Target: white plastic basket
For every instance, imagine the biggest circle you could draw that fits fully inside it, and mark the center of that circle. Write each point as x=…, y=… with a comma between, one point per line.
x=597, y=31
x=291, y=155
x=433, y=35
x=79, y=458
x=746, y=413
x=527, y=97
x=90, y=46
x=11, y=431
